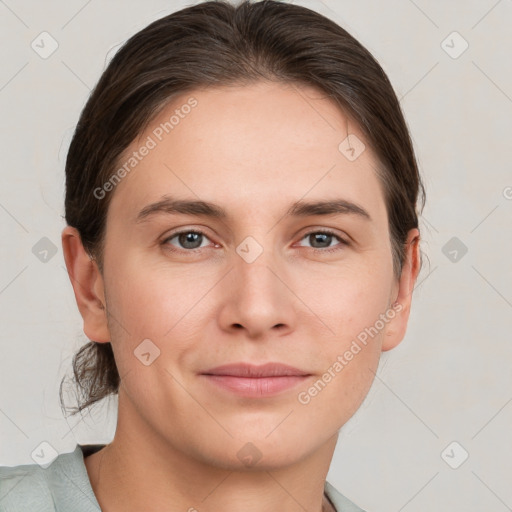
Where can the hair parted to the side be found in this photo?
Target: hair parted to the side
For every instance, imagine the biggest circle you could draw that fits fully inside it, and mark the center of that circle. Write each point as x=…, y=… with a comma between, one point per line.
x=216, y=43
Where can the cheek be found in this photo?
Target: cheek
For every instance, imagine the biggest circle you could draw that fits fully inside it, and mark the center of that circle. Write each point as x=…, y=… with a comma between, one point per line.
x=166, y=304
x=152, y=297
x=349, y=358
x=352, y=307
x=335, y=395
x=347, y=389
x=349, y=300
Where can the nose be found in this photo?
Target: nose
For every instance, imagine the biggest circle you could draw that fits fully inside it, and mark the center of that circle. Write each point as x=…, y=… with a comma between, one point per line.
x=257, y=299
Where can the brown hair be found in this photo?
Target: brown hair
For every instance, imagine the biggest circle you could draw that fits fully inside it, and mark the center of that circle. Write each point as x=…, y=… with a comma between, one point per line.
x=215, y=43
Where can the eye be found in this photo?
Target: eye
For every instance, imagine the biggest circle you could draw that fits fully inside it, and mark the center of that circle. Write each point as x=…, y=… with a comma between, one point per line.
x=191, y=240
x=321, y=240
x=188, y=240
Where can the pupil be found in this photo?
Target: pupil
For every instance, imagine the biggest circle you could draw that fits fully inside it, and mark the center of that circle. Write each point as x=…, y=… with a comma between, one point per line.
x=322, y=236
x=189, y=238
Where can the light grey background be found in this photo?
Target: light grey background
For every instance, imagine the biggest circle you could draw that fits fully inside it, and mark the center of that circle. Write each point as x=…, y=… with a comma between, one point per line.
x=449, y=380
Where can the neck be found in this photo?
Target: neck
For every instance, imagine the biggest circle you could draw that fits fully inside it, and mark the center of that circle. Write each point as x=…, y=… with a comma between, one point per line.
x=140, y=470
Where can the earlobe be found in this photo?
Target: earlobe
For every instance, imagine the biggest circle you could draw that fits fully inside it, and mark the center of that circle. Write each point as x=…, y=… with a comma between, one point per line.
x=88, y=286
x=397, y=327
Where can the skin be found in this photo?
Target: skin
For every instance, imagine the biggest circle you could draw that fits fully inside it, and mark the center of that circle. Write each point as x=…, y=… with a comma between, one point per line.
x=252, y=150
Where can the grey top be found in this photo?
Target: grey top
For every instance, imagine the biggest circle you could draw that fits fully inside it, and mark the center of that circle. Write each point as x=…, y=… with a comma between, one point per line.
x=64, y=486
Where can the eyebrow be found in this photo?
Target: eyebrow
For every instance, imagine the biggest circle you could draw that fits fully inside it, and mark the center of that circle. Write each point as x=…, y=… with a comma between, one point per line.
x=169, y=205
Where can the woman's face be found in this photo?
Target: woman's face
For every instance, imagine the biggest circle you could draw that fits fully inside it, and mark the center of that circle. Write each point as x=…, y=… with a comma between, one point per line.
x=259, y=284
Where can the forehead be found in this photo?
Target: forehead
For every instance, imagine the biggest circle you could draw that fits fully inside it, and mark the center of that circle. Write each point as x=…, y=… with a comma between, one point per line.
x=250, y=147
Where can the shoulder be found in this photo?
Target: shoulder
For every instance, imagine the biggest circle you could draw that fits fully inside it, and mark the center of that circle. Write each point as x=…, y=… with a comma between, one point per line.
x=63, y=485
x=24, y=488
x=340, y=502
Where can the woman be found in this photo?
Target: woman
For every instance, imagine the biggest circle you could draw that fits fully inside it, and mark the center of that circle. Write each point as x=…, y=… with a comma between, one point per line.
x=243, y=243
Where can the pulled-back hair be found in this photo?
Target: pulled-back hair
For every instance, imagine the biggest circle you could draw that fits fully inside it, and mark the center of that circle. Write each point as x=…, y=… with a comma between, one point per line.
x=216, y=43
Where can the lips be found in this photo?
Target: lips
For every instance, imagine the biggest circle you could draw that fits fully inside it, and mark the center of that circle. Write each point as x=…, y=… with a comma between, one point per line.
x=271, y=369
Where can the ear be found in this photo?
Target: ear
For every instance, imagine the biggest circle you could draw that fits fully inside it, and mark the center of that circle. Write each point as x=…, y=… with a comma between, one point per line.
x=88, y=286
x=397, y=326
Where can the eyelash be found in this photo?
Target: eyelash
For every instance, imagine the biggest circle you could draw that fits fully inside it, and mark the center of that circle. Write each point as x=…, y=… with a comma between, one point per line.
x=343, y=243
